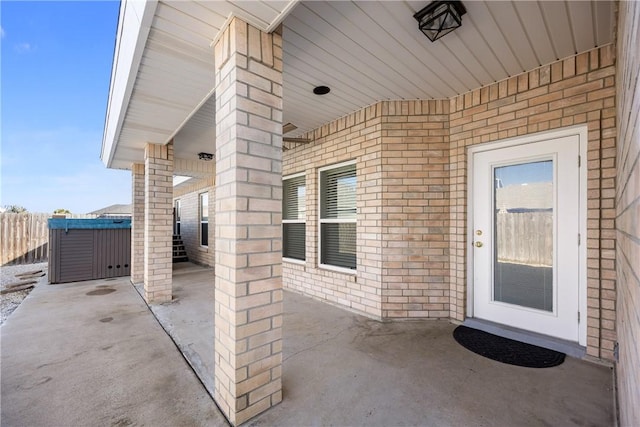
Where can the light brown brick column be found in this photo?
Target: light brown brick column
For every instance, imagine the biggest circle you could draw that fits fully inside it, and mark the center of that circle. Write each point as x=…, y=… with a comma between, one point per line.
x=248, y=282
x=158, y=222
x=137, y=223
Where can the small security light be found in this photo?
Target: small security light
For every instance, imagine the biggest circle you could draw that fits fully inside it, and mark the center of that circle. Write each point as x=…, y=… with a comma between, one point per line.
x=439, y=18
x=205, y=156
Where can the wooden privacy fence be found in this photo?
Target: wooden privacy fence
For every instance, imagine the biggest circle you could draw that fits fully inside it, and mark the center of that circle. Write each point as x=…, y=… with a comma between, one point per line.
x=24, y=237
x=522, y=238
x=525, y=238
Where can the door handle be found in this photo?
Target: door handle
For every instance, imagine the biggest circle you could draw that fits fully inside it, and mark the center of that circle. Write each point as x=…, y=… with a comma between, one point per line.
x=478, y=244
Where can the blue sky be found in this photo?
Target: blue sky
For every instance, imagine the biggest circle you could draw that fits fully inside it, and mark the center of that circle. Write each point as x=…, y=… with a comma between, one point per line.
x=56, y=66
x=526, y=173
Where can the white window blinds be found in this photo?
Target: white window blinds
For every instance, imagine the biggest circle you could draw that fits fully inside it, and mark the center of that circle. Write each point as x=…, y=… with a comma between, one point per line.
x=338, y=216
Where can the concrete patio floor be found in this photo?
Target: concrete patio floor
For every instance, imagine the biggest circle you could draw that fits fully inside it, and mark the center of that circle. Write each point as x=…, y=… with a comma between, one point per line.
x=344, y=369
x=92, y=354
x=76, y=355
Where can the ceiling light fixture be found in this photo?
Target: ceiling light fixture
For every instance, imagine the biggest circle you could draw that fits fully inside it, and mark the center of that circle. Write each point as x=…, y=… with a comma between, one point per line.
x=321, y=90
x=289, y=127
x=439, y=18
x=205, y=156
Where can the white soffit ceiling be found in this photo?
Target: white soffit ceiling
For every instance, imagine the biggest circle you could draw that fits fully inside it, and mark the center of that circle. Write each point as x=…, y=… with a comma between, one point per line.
x=364, y=51
x=199, y=134
x=176, y=69
x=370, y=51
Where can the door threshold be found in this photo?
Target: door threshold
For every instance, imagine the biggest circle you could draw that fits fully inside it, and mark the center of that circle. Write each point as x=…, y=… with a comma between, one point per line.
x=569, y=348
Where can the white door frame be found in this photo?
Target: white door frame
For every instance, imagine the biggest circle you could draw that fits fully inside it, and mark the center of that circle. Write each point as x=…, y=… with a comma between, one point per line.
x=582, y=132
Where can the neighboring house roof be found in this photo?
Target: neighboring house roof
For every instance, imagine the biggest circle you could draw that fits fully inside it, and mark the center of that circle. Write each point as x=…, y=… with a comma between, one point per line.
x=113, y=210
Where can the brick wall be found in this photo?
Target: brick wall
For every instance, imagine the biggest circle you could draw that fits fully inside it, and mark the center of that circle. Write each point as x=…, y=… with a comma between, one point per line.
x=411, y=193
x=137, y=222
x=415, y=209
x=248, y=205
x=189, y=196
x=577, y=90
x=628, y=212
x=401, y=149
x=158, y=222
x=353, y=137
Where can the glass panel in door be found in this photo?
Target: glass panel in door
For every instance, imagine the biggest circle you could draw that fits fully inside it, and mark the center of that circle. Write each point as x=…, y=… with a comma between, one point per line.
x=523, y=235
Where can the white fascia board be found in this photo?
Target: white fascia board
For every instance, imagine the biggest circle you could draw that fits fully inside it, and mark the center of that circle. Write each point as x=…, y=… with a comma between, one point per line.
x=134, y=24
x=285, y=12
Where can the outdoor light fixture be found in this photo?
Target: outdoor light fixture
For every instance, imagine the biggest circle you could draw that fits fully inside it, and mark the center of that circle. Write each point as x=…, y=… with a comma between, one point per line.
x=439, y=18
x=205, y=156
x=289, y=127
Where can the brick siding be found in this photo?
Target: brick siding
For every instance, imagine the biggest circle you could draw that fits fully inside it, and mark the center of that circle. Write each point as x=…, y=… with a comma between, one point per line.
x=577, y=90
x=137, y=223
x=628, y=212
x=356, y=136
x=248, y=236
x=158, y=222
x=415, y=209
x=401, y=149
x=412, y=195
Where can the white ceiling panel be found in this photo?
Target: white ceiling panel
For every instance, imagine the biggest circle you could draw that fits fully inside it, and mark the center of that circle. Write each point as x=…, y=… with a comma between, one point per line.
x=492, y=35
x=580, y=11
x=532, y=20
x=199, y=135
x=376, y=50
x=398, y=29
x=214, y=17
x=482, y=52
x=402, y=24
x=371, y=37
x=343, y=49
x=517, y=39
x=603, y=25
x=559, y=27
x=365, y=51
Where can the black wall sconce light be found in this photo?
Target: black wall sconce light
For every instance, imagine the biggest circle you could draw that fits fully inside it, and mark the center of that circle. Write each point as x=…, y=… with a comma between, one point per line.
x=205, y=156
x=439, y=18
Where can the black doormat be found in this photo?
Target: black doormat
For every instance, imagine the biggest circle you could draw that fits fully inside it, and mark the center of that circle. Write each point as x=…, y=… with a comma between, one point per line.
x=506, y=350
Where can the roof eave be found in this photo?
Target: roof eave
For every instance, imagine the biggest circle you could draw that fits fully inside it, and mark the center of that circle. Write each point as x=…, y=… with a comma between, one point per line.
x=134, y=24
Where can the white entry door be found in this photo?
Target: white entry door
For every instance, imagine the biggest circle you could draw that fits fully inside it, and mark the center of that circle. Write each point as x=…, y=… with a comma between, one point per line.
x=526, y=231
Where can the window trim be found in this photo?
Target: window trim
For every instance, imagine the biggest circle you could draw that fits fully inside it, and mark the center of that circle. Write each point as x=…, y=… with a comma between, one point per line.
x=177, y=204
x=296, y=221
x=200, y=221
x=321, y=221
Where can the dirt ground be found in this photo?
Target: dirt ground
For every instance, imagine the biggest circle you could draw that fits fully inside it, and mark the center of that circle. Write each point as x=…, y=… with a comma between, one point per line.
x=9, y=302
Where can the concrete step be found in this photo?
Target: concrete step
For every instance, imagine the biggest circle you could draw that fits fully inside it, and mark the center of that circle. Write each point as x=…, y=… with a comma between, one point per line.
x=179, y=250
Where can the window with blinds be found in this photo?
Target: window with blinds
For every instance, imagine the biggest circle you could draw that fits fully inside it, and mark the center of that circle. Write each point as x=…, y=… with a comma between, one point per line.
x=338, y=216
x=176, y=217
x=294, y=217
x=204, y=219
